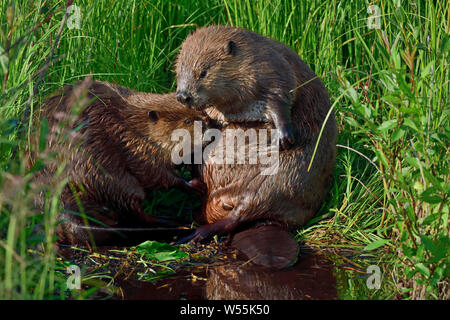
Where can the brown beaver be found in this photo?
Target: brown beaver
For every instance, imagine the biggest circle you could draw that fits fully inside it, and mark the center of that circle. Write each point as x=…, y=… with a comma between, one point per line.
x=239, y=196
x=226, y=82
x=244, y=75
x=115, y=147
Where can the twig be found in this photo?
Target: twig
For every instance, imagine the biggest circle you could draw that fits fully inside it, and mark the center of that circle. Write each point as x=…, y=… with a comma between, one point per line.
x=361, y=154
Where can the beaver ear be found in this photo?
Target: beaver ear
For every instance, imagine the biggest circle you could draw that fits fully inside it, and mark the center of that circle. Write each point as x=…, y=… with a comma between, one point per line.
x=153, y=116
x=230, y=48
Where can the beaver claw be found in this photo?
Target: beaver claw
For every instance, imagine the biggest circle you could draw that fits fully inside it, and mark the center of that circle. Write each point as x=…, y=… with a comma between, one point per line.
x=197, y=186
x=286, y=137
x=198, y=235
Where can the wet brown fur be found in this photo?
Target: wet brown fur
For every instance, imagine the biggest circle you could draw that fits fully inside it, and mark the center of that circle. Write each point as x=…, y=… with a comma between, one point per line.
x=262, y=78
x=238, y=193
x=292, y=196
x=114, y=157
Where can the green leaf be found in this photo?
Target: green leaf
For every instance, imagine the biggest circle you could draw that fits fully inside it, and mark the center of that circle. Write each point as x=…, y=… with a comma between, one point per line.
x=434, y=180
x=406, y=89
x=420, y=253
x=431, y=218
x=410, y=110
x=397, y=134
x=444, y=220
x=437, y=275
x=409, y=252
x=396, y=57
x=439, y=248
x=410, y=212
x=404, y=236
x=351, y=92
x=428, y=243
x=38, y=165
x=431, y=199
x=409, y=123
x=421, y=46
x=376, y=244
x=4, y=61
x=392, y=99
x=352, y=122
x=422, y=269
x=381, y=157
x=386, y=125
x=160, y=251
x=413, y=162
x=426, y=71
x=445, y=44
x=430, y=195
x=410, y=272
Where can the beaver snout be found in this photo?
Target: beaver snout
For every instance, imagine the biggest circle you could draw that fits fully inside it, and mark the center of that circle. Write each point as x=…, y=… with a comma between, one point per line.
x=185, y=98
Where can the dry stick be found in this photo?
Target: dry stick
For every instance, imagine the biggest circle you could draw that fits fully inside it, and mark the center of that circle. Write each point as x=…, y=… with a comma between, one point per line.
x=27, y=111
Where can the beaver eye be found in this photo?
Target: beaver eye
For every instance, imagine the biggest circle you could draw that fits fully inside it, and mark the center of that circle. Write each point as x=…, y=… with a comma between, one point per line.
x=187, y=121
x=203, y=74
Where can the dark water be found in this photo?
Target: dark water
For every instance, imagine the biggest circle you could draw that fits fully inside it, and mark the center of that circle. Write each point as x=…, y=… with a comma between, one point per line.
x=310, y=278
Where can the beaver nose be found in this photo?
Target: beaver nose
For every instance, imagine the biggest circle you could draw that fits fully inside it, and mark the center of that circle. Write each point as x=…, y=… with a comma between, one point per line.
x=184, y=98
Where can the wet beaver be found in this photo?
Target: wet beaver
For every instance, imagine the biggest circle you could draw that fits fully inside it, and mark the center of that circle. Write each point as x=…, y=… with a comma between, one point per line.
x=115, y=147
x=239, y=194
x=244, y=75
x=242, y=196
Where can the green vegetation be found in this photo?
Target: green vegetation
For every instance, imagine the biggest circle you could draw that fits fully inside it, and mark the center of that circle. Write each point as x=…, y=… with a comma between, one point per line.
x=160, y=251
x=389, y=87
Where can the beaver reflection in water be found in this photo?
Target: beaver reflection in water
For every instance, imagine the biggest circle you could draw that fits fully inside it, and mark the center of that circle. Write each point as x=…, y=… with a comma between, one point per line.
x=223, y=70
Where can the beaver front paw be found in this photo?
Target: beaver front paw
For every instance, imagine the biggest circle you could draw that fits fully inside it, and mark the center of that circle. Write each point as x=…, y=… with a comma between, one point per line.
x=286, y=137
x=198, y=235
x=197, y=186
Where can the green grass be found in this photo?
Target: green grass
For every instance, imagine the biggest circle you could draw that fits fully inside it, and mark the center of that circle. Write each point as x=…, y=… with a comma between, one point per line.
x=389, y=87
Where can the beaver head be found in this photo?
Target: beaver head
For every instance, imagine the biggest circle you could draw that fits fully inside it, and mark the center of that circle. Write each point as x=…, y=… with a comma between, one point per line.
x=215, y=67
x=161, y=116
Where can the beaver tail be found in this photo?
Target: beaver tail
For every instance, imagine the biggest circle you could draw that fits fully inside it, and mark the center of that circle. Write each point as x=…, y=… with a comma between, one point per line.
x=268, y=245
